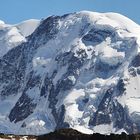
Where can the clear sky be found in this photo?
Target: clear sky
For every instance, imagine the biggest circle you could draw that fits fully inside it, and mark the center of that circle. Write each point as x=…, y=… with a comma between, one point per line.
x=14, y=11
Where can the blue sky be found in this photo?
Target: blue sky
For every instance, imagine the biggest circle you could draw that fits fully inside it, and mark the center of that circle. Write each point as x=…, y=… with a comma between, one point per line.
x=14, y=11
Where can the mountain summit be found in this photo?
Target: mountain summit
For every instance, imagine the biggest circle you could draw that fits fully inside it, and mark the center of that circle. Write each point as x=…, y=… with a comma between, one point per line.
x=80, y=70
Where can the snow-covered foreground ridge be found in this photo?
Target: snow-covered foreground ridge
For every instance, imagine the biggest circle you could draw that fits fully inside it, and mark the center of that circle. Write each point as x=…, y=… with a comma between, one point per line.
x=79, y=70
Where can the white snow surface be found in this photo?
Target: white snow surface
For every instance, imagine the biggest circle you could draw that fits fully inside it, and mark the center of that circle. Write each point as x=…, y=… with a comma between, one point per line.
x=1, y=22
x=27, y=27
x=13, y=35
x=90, y=85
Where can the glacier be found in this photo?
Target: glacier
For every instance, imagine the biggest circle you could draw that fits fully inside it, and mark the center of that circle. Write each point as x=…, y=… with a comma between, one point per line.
x=13, y=35
x=79, y=70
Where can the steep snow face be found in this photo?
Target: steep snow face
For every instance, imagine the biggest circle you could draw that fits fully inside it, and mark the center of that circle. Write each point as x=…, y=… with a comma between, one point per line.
x=27, y=27
x=13, y=35
x=78, y=70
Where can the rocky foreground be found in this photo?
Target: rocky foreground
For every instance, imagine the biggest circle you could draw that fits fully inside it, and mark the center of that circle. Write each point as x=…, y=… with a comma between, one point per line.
x=70, y=134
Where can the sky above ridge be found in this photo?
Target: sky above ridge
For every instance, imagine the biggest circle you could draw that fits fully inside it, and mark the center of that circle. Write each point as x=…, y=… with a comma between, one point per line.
x=15, y=11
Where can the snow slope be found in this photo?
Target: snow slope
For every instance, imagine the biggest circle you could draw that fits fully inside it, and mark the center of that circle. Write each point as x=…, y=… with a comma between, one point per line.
x=80, y=70
x=13, y=35
x=27, y=27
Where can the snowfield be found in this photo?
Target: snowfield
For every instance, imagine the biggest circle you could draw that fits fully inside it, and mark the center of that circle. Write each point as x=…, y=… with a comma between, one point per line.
x=13, y=35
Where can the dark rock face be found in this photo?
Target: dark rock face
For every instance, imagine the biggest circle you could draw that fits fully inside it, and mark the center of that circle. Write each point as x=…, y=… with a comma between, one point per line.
x=19, y=113
x=120, y=87
x=109, y=109
x=12, y=71
x=121, y=118
x=134, y=68
x=96, y=36
x=47, y=30
x=133, y=71
x=13, y=68
x=136, y=61
x=102, y=115
x=104, y=70
x=60, y=120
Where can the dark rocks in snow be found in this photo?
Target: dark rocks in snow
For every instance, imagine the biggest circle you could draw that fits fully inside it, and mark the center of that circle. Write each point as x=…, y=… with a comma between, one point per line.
x=96, y=36
x=136, y=61
x=19, y=113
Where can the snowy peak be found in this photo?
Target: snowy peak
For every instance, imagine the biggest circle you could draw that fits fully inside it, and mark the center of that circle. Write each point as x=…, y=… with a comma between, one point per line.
x=77, y=70
x=13, y=35
x=28, y=27
x=104, y=18
x=124, y=26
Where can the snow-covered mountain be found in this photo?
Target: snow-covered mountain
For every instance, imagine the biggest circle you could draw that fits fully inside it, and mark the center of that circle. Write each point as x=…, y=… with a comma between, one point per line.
x=13, y=35
x=79, y=70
